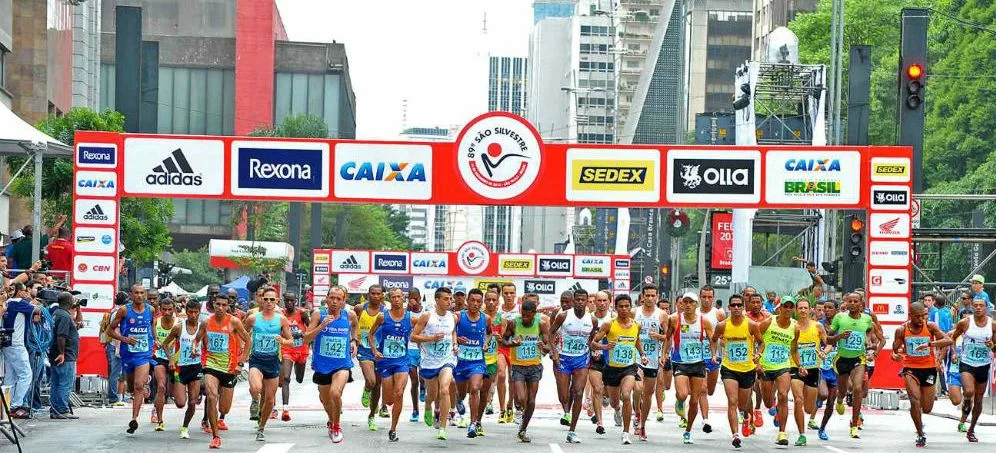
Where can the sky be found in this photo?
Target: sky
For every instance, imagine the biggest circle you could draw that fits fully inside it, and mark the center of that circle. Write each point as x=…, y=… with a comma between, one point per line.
x=432, y=53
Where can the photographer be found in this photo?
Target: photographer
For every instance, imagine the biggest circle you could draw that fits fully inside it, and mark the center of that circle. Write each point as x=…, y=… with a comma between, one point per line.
x=62, y=355
x=60, y=251
x=39, y=340
x=17, y=313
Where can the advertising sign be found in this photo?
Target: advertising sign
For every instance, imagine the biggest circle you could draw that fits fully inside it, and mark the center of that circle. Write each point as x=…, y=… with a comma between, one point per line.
x=608, y=175
x=722, y=241
x=813, y=177
x=697, y=176
x=518, y=264
x=286, y=168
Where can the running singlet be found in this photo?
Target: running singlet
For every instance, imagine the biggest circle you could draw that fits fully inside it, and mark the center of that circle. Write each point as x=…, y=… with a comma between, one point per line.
x=527, y=353
x=974, y=349
x=161, y=335
x=264, y=336
x=854, y=345
x=475, y=332
x=138, y=326
x=185, y=357
x=738, y=346
x=437, y=354
x=297, y=328
x=624, y=352
x=331, y=345
x=574, y=335
x=827, y=363
x=713, y=317
x=651, y=347
x=491, y=349
x=809, y=343
x=777, y=346
x=392, y=339
x=222, y=346
x=366, y=321
x=689, y=340
x=919, y=354
x=413, y=346
x=598, y=354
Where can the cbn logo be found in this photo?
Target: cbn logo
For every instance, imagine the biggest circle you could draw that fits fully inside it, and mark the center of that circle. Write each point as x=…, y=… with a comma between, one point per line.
x=615, y=175
x=383, y=171
x=890, y=169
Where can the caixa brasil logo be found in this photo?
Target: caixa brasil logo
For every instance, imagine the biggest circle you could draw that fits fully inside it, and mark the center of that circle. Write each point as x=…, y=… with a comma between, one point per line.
x=812, y=165
x=498, y=155
x=383, y=171
x=175, y=170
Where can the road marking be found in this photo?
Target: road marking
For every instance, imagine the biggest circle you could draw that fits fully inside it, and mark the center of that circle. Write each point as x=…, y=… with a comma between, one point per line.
x=556, y=448
x=275, y=448
x=834, y=449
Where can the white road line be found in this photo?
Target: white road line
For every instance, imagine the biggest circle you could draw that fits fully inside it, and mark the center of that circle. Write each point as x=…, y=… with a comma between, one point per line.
x=275, y=448
x=834, y=449
x=556, y=448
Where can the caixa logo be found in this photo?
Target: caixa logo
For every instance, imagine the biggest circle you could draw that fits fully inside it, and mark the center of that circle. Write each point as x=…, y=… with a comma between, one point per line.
x=390, y=262
x=269, y=168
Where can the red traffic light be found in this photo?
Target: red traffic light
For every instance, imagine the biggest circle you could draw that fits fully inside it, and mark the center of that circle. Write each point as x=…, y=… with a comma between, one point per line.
x=857, y=225
x=914, y=71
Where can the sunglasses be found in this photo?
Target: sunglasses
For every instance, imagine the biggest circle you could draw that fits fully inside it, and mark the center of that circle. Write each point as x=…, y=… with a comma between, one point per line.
x=735, y=305
x=270, y=299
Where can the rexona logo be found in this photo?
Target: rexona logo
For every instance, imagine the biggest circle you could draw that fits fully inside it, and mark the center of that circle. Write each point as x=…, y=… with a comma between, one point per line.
x=96, y=156
x=473, y=257
x=175, y=170
x=292, y=168
x=697, y=176
x=390, y=262
x=540, y=287
x=498, y=155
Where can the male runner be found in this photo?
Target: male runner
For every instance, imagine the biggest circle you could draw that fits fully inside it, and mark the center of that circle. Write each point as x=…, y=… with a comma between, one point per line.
x=389, y=337
x=623, y=347
x=187, y=363
x=459, y=301
x=805, y=386
x=509, y=311
x=563, y=382
x=414, y=356
x=914, y=346
x=436, y=333
x=495, y=370
x=528, y=336
x=854, y=331
x=651, y=320
x=666, y=374
x=473, y=330
x=601, y=316
x=740, y=339
x=779, y=350
x=688, y=353
x=135, y=335
x=221, y=336
x=334, y=335
x=975, y=359
x=269, y=331
x=828, y=381
x=161, y=355
x=871, y=351
x=366, y=314
x=294, y=357
x=709, y=311
x=756, y=313
x=576, y=329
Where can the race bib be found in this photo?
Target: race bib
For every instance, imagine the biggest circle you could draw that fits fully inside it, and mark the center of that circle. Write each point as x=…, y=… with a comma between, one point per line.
x=364, y=341
x=736, y=352
x=651, y=348
x=470, y=353
x=298, y=338
x=976, y=354
x=186, y=353
x=575, y=345
x=828, y=360
x=142, y=344
x=492, y=346
x=217, y=342
x=855, y=342
x=441, y=348
x=528, y=350
x=776, y=354
x=691, y=351
x=623, y=355
x=808, y=358
x=916, y=346
x=394, y=347
x=333, y=347
x=264, y=344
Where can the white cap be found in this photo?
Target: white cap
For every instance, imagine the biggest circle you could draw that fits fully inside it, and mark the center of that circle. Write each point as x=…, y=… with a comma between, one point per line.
x=16, y=234
x=691, y=295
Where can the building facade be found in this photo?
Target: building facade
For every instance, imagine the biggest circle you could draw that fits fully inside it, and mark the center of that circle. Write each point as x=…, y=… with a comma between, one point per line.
x=422, y=218
x=507, y=93
x=771, y=14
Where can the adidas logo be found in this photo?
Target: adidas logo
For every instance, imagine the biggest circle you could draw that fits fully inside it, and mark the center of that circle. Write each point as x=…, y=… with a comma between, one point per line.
x=350, y=263
x=96, y=213
x=174, y=171
x=577, y=286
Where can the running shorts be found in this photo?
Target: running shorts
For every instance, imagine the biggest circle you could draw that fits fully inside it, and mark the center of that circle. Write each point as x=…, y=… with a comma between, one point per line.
x=156, y=361
x=812, y=378
x=269, y=366
x=829, y=377
x=980, y=373
x=745, y=379
x=364, y=354
x=225, y=380
x=954, y=378
x=711, y=366
x=189, y=373
x=296, y=355
x=527, y=373
x=326, y=378
x=129, y=366
x=613, y=376
x=431, y=373
x=492, y=369
x=771, y=375
x=570, y=364
x=695, y=370
x=414, y=358
x=649, y=373
x=845, y=365
x=464, y=371
x=388, y=370
x=926, y=377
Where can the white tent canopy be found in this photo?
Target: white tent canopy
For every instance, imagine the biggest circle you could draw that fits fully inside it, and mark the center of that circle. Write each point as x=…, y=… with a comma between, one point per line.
x=177, y=290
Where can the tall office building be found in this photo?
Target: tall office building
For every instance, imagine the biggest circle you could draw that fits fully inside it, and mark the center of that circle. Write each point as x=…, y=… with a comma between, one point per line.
x=771, y=14
x=507, y=84
x=552, y=8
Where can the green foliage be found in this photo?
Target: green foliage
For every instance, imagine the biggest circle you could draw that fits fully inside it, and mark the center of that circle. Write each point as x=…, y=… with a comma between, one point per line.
x=198, y=261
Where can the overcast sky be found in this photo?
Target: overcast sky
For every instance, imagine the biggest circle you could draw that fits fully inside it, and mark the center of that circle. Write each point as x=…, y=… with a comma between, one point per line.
x=431, y=52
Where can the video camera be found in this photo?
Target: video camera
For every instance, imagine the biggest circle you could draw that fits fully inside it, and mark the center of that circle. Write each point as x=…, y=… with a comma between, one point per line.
x=6, y=337
x=51, y=295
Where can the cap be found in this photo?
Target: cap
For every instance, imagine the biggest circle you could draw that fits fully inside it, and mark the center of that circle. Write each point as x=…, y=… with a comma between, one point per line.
x=16, y=234
x=459, y=293
x=785, y=300
x=975, y=278
x=690, y=295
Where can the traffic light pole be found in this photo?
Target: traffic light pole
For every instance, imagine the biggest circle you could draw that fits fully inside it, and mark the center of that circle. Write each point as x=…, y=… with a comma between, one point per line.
x=912, y=86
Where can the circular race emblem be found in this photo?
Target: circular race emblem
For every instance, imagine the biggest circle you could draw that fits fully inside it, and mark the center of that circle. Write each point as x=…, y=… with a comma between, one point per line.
x=473, y=257
x=498, y=155
x=82, y=267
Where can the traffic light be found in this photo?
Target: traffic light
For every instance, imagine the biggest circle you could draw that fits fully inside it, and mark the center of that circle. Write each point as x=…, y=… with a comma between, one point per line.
x=857, y=240
x=914, y=86
x=855, y=233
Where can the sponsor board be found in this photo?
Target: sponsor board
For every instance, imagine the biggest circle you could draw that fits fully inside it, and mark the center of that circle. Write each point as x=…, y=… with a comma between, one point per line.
x=554, y=266
x=620, y=274
x=174, y=166
x=890, y=169
x=96, y=183
x=389, y=262
x=539, y=287
x=358, y=283
x=483, y=283
x=383, y=171
x=389, y=282
x=322, y=280
x=620, y=286
x=498, y=156
x=509, y=264
x=428, y=285
x=473, y=257
x=322, y=269
x=889, y=226
x=424, y=263
x=99, y=296
x=94, y=240
x=97, y=268
x=621, y=263
x=888, y=281
x=604, y=175
x=696, y=176
x=813, y=177
x=96, y=155
x=95, y=212
x=321, y=258
x=91, y=324
x=722, y=241
x=349, y=261
x=890, y=198
x=889, y=253
x=591, y=266
x=286, y=169
x=889, y=309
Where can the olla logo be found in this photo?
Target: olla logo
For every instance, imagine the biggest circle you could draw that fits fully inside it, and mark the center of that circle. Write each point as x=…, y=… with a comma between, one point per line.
x=473, y=257
x=498, y=155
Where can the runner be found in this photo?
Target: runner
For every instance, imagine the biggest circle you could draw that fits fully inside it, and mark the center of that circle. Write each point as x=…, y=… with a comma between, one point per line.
x=528, y=336
x=741, y=339
x=855, y=328
x=709, y=311
x=496, y=372
x=828, y=381
x=806, y=371
x=136, y=337
x=601, y=316
x=186, y=363
x=563, y=381
x=955, y=394
x=622, y=346
x=975, y=358
x=779, y=350
x=334, y=336
x=651, y=320
x=576, y=329
x=295, y=357
x=162, y=355
x=269, y=331
x=220, y=336
x=914, y=346
x=389, y=336
x=871, y=352
x=436, y=333
x=756, y=313
x=414, y=357
x=666, y=374
x=473, y=335
x=690, y=332
x=365, y=314
x=509, y=311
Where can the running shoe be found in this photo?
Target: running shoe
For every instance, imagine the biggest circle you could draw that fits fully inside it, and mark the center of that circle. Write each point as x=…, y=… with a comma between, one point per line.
x=392, y=436
x=801, y=441
x=625, y=438
x=686, y=438
x=758, y=419
x=154, y=419
x=819, y=403
x=365, y=399
x=383, y=412
x=921, y=441
x=260, y=437
x=254, y=410
x=461, y=408
x=435, y=420
x=782, y=438
x=472, y=431
x=971, y=437
x=565, y=420
x=518, y=417
x=745, y=428
x=679, y=408
x=774, y=413
x=441, y=434
x=414, y=418
x=463, y=422
x=501, y=417
x=331, y=430
x=840, y=408
x=428, y=418
x=660, y=415
x=285, y=416
x=118, y=404
x=962, y=428
x=132, y=426
x=861, y=421
x=682, y=423
x=736, y=441
x=452, y=418
x=371, y=423
x=274, y=414
x=600, y=430
x=524, y=438
x=706, y=428
x=184, y=433
x=336, y=433
x=421, y=395
x=160, y=427
x=488, y=410
x=617, y=417
x=480, y=430
x=823, y=435
x=812, y=424
x=854, y=433
x=221, y=425
x=215, y=443
x=572, y=438
x=205, y=426
x=643, y=434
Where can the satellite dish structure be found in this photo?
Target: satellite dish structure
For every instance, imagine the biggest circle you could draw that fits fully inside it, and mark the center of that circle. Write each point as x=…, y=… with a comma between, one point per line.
x=782, y=46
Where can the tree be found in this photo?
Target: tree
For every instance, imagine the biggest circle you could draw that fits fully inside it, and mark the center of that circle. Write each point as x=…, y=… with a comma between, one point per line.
x=143, y=221
x=199, y=263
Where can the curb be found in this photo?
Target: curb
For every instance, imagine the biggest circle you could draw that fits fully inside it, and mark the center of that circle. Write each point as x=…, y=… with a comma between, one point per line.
x=958, y=417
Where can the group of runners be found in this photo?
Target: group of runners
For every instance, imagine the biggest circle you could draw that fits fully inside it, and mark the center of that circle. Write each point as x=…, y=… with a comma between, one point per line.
x=457, y=353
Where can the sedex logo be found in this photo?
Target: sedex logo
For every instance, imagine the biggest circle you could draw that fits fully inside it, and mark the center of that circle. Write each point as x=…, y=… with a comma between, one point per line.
x=269, y=168
x=174, y=171
x=714, y=176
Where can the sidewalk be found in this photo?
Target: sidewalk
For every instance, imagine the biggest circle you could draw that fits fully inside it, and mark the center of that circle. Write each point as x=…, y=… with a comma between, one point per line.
x=944, y=408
